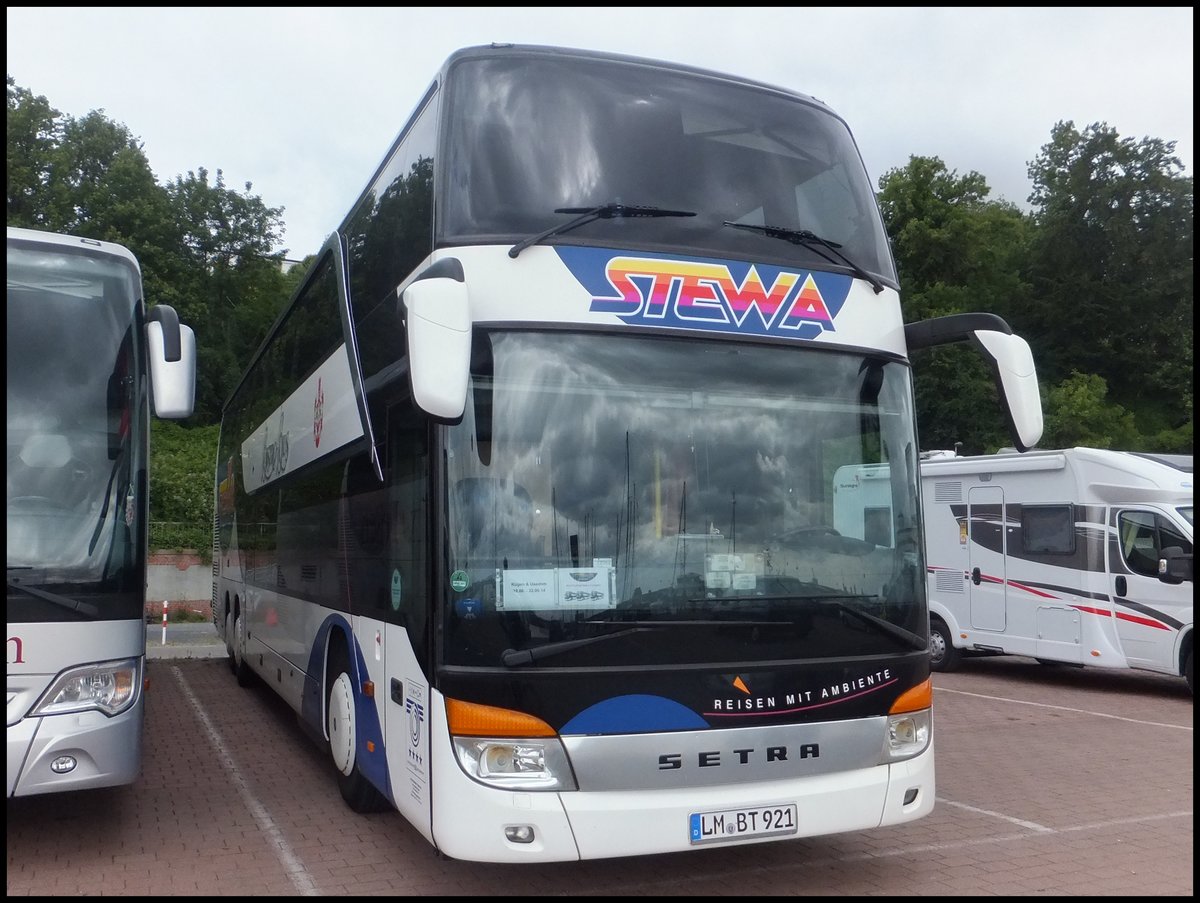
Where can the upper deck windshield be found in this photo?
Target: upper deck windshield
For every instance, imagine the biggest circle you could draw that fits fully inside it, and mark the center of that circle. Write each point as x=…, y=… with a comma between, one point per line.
x=532, y=134
x=624, y=501
x=76, y=473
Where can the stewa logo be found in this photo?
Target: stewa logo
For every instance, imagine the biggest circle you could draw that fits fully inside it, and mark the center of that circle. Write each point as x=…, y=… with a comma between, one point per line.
x=722, y=296
x=274, y=454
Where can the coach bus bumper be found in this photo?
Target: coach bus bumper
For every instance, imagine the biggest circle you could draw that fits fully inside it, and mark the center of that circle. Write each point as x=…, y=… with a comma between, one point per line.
x=106, y=751
x=605, y=824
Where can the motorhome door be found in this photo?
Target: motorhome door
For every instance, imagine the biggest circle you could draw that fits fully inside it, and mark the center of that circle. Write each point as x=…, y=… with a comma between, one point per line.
x=1150, y=613
x=987, y=545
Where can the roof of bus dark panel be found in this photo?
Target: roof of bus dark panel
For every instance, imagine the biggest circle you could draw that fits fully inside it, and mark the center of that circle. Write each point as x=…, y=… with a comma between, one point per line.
x=501, y=49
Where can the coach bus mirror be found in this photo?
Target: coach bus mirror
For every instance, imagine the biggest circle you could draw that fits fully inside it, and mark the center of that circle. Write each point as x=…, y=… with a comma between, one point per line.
x=438, y=317
x=1175, y=565
x=1010, y=358
x=172, y=351
x=1016, y=380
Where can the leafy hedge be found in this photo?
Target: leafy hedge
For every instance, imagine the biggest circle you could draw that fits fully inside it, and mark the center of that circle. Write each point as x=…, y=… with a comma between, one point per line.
x=181, y=486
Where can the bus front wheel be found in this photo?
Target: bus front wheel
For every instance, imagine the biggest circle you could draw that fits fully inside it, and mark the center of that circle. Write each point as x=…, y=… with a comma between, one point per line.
x=341, y=725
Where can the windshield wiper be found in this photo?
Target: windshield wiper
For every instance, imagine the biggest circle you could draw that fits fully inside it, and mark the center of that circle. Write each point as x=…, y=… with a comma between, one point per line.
x=587, y=214
x=83, y=608
x=834, y=600
x=817, y=243
x=513, y=657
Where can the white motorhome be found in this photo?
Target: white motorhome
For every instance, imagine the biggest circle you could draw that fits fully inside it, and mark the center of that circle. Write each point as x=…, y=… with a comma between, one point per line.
x=1080, y=556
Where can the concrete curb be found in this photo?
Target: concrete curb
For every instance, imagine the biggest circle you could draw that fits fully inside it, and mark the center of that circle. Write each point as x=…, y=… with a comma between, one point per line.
x=206, y=650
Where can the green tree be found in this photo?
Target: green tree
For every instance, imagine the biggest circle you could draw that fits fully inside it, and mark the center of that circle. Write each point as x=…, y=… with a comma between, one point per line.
x=234, y=283
x=956, y=252
x=1111, y=269
x=33, y=135
x=1078, y=414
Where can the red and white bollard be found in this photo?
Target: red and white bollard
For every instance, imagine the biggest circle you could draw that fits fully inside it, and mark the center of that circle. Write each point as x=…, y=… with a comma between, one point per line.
x=164, y=638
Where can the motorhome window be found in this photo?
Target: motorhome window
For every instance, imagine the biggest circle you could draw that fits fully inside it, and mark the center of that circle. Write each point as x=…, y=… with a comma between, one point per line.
x=1137, y=542
x=1170, y=535
x=1048, y=529
x=877, y=526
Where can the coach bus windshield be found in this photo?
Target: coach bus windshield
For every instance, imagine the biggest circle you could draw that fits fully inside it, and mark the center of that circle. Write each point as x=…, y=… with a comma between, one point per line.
x=624, y=501
x=743, y=172
x=75, y=481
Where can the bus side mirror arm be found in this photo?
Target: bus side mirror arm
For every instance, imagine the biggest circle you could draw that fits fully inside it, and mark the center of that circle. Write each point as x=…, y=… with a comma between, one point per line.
x=436, y=309
x=1011, y=362
x=171, y=347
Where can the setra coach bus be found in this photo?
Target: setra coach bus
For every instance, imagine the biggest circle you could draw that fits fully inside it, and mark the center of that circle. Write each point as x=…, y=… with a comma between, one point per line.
x=88, y=365
x=525, y=503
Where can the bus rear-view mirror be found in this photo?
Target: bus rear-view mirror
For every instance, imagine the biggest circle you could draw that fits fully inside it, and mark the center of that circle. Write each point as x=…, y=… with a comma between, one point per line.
x=1016, y=376
x=436, y=309
x=172, y=349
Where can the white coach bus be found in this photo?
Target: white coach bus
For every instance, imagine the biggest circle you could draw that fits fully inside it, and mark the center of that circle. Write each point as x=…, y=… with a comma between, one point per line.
x=524, y=504
x=86, y=360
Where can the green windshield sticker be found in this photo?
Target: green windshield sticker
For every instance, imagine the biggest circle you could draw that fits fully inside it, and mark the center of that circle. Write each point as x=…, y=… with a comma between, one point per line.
x=459, y=581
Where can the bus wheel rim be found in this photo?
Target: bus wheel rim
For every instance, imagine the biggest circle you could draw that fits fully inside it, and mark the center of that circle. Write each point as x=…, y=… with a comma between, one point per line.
x=341, y=724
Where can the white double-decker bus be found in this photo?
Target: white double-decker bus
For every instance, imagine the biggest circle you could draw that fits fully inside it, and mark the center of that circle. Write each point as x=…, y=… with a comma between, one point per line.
x=525, y=503
x=86, y=362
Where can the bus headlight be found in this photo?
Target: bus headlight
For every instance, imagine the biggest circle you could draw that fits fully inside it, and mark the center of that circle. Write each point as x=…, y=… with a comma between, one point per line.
x=515, y=764
x=908, y=734
x=108, y=687
x=507, y=749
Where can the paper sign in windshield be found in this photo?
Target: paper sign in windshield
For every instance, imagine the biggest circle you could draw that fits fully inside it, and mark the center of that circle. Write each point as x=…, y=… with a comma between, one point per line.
x=551, y=589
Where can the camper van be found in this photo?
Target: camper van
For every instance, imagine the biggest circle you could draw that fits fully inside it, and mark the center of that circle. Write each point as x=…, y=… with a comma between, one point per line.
x=1078, y=556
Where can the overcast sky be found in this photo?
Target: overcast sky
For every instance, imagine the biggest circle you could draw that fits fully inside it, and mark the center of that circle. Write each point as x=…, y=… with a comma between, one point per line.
x=304, y=101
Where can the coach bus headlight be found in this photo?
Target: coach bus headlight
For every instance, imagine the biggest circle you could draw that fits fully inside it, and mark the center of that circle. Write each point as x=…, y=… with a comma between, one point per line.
x=108, y=687
x=507, y=749
x=910, y=723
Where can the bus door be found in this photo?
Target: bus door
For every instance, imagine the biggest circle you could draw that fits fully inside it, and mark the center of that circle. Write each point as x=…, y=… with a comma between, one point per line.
x=406, y=704
x=987, y=557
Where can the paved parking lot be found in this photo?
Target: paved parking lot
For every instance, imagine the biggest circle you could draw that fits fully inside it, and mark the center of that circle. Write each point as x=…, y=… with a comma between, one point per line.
x=1050, y=782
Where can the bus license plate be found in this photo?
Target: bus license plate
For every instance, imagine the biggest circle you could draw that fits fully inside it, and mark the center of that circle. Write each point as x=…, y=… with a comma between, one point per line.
x=735, y=824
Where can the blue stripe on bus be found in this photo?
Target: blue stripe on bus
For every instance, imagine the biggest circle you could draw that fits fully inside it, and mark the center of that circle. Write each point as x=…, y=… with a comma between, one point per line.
x=636, y=713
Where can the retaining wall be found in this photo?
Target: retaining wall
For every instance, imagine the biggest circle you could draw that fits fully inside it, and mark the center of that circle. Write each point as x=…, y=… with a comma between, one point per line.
x=181, y=579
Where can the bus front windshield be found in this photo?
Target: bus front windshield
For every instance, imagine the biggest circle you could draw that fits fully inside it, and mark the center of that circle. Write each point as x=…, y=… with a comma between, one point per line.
x=75, y=469
x=631, y=502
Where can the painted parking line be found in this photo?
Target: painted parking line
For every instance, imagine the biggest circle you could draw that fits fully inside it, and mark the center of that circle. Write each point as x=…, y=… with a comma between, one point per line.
x=1063, y=708
x=293, y=867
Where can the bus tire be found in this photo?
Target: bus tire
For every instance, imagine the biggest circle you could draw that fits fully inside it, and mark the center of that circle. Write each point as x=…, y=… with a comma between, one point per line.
x=1187, y=672
x=341, y=728
x=942, y=654
x=237, y=650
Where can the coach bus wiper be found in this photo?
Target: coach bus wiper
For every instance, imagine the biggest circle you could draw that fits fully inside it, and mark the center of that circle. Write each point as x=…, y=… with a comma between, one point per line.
x=514, y=657
x=835, y=601
x=83, y=608
x=587, y=214
x=817, y=243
